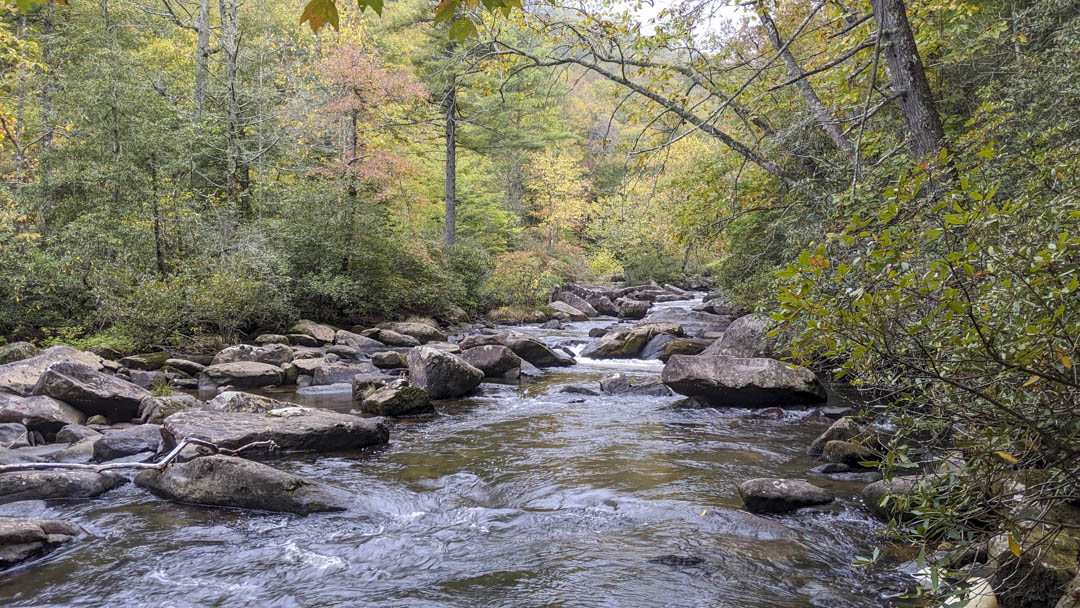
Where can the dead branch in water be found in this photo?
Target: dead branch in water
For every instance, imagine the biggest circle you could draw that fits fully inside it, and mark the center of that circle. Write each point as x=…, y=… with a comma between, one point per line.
x=164, y=462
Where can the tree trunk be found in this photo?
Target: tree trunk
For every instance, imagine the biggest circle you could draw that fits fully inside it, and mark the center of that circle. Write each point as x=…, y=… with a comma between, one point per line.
x=450, y=106
x=20, y=111
x=926, y=137
x=202, y=56
x=821, y=113
x=230, y=46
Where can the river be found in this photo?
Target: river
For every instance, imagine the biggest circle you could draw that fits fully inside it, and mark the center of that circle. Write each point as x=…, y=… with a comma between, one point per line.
x=519, y=496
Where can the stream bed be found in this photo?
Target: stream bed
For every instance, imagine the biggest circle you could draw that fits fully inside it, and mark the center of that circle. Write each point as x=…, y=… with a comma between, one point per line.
x=519, y=496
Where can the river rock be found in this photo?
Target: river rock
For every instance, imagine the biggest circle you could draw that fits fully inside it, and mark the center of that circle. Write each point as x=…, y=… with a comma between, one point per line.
x=693, y=323
x=397, y=400
x=446, y=347
x=682, y=346
x=1041, y=574
x=365, y=384
x=128, y=442
x=494, y=360
x=90, y=391
x=389, y=359
x=781, y=495
x=363, y=343
x=154, y=410
x=851, y=454
x=238, y=401
x=45, y=485
x=338, y=373
x=619, y=384
x=263, y=339
x=632, y=309
x=80, y=452
x=74, y=432
x=241, y=374
x=421, y=331
x=20, y=377
x=390, y=337
x=535, y=351
x=22, y=538
x=576, y=302
x=294, y=428
x=272, y=354
x=748, y=383
x=572, y=313
x=323, y=334
x=303, y=340
x=442, y=374
x=17, y=351
x=13, y=435
x=629, y=343
x=480, y=340
x=603, y=305
x=874, y=493
x=188, y=367
x=38, y=413
x=146, y=362
x=747, y=337
x=227, y=481
x=844, y=429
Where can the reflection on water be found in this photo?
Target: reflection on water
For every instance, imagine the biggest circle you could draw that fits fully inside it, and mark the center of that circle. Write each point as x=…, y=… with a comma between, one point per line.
x=521, y=496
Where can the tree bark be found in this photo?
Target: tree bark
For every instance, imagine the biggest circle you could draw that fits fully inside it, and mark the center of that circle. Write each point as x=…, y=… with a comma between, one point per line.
x=926, y=136
x=202, y=57
x=450, y=106
x=230, y=45
x=821, y=113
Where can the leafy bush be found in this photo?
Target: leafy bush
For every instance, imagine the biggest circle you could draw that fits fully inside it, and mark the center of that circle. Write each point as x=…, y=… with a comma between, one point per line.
x=525, y=278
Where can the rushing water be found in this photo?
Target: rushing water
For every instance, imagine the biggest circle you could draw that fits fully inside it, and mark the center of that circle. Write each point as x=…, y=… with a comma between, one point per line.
x=520, y=496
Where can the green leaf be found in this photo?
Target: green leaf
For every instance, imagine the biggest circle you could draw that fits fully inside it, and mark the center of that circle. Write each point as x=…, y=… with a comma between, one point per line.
x=376, y=5
x=462, y=29
x=320, y=12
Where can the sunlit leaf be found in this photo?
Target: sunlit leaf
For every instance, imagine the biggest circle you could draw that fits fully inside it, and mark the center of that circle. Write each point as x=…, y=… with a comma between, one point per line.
x=1007, y=457
x=318, y=13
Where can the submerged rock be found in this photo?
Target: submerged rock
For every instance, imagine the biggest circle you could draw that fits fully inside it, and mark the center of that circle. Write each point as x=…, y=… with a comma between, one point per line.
x=781, y=495
x=748, y=383
x=294, y=428
x=24, y=538
x=90, y=391
x=226, y=481
x=442, y=374
x=44, y=485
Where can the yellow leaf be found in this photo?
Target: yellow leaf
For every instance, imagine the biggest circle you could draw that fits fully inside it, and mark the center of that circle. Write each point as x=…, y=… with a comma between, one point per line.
x=703, y=512
x=1031, y=380
x=1065, y=360
x=1006, y=457
x=1014, y=546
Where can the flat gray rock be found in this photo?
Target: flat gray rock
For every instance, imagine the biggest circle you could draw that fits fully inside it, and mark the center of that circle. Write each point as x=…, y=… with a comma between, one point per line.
x=747, y=383
x=91, y=392
x=19, y=377
x=24, y=538
x=293, y=429
x=241, y=374
x=44, y=485
x=781, y=495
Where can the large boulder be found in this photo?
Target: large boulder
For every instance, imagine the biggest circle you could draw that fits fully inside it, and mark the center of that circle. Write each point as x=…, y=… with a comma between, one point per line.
x=39, y=413
x=748, y=383
x=397, y=400
x=535, y=351
x=323, y=334
x=22, y=539
x=241, y=374
x=45, y=485
x=747, y=337
x=603, y=305
x=273, y=354
x=128, y=442
x=495, y=360
x=781, y=495
x=848, y=453
x=20, y=377
x=442, y=374
x=75, y=432
x=632, y=309
x=238, y=401
x=480, y=340
x=154, y=410
x=629, y=343
x=146, y=362
x=292, y=429
x=421, y=331
x=227, y=481
x=90, y=391
x=363, y=343
x=17, y=351
x=874, y=493
x=192, y=368
x=568, y=310
x=682, y=346
x=575, y=301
